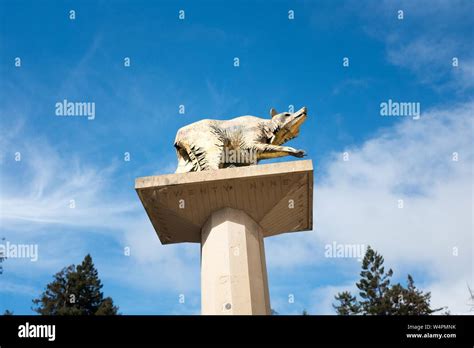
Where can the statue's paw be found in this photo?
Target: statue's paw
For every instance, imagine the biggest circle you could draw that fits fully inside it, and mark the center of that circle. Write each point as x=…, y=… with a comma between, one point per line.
x=300, y=153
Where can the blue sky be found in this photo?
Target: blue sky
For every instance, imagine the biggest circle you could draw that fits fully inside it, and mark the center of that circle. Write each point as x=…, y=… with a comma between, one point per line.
x=282, y=62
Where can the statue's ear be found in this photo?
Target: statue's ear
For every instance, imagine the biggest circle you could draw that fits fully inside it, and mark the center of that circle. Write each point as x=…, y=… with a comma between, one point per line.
x=273, y=112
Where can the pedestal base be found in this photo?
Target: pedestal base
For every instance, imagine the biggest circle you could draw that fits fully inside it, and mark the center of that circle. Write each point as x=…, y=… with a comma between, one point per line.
x=233, y=269
x=278, y=196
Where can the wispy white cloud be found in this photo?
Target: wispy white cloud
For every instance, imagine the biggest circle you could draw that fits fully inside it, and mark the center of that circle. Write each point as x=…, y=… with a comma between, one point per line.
x=426, y=39
x=432, y=61
x=53, y=189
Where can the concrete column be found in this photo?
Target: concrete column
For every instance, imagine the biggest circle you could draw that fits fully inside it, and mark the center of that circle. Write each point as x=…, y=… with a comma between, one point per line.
x=233, y=270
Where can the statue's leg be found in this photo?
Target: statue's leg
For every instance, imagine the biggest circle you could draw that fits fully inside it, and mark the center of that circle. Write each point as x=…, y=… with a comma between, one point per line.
x=273, y=151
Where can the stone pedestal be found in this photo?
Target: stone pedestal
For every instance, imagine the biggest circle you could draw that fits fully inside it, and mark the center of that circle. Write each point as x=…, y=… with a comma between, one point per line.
x=229, y=211
x=233, y=269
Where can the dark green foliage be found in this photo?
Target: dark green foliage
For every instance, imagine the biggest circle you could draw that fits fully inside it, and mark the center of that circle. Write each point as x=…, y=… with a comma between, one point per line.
x=107, y=307
x=348, y=304
x=75, y=291
x=378, y=297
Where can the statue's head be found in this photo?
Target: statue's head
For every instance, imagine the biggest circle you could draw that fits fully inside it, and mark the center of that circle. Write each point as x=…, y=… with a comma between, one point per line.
x=287, y=125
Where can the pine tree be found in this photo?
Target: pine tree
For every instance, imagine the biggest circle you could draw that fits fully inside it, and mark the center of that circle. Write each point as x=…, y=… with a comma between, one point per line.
x=54, y=300
x=106, y=307
x=75, y=291
x=374, y=283
x=378, y=297
x=85, y=285
x=348, y=304
x=410, y=300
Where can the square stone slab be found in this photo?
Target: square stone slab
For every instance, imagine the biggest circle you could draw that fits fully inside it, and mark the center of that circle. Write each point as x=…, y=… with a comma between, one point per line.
x=278, y=196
